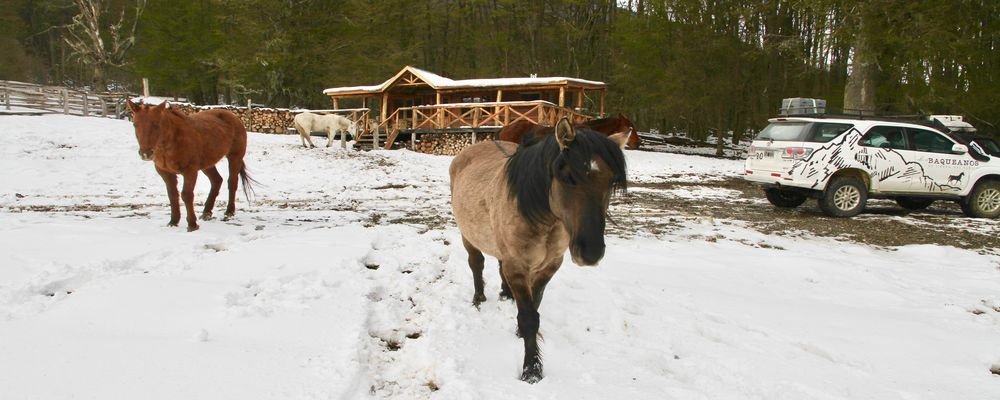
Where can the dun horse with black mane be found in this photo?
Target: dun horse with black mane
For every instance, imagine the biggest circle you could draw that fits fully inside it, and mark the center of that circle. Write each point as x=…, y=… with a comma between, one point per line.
x=526, y=210
x=183, y=145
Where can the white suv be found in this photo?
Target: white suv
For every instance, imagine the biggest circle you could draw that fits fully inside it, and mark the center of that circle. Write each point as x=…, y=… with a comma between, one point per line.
x=843, y=162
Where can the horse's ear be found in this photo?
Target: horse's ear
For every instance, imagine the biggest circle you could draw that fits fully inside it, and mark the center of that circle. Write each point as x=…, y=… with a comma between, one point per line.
x=131, y=106
x=565, y=134
x=620, y=138
x=162, y=106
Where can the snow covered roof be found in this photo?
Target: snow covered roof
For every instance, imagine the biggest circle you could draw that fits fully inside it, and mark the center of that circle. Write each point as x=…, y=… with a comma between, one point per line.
x=439, y=82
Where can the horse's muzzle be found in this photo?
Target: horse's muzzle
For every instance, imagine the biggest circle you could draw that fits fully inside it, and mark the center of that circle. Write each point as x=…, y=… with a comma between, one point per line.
x=586, y=255
x=146, y=155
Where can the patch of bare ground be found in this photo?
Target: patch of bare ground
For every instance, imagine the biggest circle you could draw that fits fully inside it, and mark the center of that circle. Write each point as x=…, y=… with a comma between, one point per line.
x=656, y=207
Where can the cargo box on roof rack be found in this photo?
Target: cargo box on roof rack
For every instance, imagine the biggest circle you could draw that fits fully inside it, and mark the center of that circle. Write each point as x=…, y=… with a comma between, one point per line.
x=802, y=106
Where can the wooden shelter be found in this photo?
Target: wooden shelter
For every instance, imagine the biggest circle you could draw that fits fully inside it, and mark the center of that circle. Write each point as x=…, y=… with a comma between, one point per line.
x=415, y=101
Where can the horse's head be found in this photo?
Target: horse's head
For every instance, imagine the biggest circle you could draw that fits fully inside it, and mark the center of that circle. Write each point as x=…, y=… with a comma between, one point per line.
x=146, y=120
x=353, y=128
x=627, y=126
x=584, y=169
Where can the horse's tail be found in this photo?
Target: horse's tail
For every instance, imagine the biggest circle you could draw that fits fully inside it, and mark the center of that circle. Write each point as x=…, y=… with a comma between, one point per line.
x=247, y=182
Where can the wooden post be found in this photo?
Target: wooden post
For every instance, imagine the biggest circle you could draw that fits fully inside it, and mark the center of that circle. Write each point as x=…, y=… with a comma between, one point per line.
x=439, y=111
x=145, y=87
x=496, y=110
x=385, y=107
x=65, y=100
x=104, y=107
x=86, y=104
x=579, y=101
x=6, y=97
x=562, y=97
x=413, y=141
x=473, y=137
x=603, y=91
x=336, y=105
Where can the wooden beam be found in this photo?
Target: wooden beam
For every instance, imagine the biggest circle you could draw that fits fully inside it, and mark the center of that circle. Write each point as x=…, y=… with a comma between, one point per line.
x=603, y=92
x=496, y=110
x=385, y=107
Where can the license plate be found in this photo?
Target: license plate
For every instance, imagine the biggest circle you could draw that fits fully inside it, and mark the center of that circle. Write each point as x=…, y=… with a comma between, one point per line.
x=760, y=155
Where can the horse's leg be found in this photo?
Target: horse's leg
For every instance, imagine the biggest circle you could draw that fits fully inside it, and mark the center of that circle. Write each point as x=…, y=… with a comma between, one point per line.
x=343, y=139
x=329, y=136
x=504, y=288
x=235, y=166
x=476, y=265
x=527, y=323
x=187, y=194
x=213, y=176
x=542, y=279
x=170, y=180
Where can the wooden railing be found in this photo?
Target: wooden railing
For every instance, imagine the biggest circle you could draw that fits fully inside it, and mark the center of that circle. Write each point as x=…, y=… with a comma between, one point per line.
x=469, y=116
x=61, y=100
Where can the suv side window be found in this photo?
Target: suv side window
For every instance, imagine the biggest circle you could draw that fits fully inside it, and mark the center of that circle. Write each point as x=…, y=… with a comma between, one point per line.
x=823, y=132
x=929, y=141
x=886, y=137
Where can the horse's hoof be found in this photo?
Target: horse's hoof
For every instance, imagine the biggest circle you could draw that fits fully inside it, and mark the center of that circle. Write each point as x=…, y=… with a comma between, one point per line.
x=532, y=374
x=171, y=223
x=207, y=217
x=192, y=228
x=505, y=295
x=478, y=299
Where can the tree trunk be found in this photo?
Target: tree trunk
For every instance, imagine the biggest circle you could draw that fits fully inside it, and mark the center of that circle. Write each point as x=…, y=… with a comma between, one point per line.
x=859, y=93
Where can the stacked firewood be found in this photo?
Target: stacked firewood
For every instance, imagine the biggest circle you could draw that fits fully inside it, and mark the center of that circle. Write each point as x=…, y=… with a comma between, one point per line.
x=272, y=120
x=267, y=120
x=447, y=143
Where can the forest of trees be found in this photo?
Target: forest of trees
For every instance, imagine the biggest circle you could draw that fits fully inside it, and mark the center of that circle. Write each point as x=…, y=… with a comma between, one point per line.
x=698, y=66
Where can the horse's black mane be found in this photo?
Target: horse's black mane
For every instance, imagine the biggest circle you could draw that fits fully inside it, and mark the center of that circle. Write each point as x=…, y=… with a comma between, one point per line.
x=531, y=169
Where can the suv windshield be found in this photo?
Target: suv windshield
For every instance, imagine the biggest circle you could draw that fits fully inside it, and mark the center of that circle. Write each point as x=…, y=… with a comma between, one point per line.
x=988, y=144
x=800, y=131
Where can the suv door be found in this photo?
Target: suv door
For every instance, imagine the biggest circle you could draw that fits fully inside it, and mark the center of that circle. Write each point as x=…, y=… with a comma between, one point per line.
x=943, y=170
x=881, y=152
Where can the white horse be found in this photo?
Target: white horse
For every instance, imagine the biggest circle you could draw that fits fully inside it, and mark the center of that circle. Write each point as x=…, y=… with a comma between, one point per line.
x=307, y=123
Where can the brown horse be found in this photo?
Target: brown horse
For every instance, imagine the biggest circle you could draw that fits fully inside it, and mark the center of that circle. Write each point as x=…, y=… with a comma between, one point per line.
x=520, y=130
x=183, y=145
x=526, y=210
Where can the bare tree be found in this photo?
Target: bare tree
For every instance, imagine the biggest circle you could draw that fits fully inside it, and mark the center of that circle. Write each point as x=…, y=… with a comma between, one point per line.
x=101, y=47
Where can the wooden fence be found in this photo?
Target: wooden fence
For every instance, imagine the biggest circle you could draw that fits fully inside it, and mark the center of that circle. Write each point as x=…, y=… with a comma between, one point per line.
x=63, y=100
x=465, y=117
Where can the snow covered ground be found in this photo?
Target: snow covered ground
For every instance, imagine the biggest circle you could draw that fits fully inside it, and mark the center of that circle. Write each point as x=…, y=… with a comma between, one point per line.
x=346, y=279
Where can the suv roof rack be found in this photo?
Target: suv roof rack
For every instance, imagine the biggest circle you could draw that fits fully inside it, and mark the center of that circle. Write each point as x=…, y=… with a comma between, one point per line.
x=915, y=119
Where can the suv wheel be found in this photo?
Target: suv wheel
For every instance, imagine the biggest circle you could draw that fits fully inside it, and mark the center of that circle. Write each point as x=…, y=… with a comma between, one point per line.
x=914, y=203
x=843, y=197
x=784, y=198
x=983, y=201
